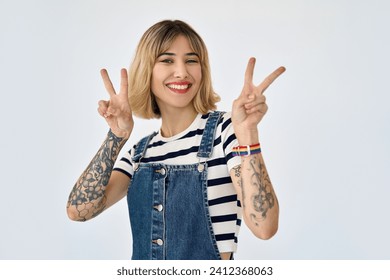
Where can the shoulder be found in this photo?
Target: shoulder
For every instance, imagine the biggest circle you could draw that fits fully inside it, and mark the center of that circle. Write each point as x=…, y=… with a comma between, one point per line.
x=226, y=116
x=225, y=123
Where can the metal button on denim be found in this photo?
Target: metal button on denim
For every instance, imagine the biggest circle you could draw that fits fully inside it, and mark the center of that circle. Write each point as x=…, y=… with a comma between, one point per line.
x=161, y=171
x=159, y=242
x=159, y=207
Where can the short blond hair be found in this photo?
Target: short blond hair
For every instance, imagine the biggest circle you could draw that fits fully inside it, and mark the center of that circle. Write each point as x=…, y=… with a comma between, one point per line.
x=156, y=40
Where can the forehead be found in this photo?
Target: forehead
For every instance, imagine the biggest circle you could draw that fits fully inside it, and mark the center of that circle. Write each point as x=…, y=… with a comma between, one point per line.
x=180, y=42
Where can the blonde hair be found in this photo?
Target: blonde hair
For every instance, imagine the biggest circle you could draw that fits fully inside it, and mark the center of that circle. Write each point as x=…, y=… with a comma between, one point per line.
x=156, y=40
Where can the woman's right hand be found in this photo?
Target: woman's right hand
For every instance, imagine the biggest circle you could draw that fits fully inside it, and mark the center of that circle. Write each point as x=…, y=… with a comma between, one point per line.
x=116, y=110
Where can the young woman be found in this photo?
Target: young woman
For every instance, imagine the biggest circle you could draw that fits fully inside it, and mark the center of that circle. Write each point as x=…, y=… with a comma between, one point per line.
x=189, y=184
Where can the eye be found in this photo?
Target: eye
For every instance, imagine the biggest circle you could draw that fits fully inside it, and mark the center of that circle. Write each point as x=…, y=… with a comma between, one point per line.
x=192, y=61
x=167, y=60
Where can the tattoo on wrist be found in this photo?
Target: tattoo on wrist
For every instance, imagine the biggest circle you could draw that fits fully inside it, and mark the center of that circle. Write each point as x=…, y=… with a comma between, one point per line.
x=88, y=193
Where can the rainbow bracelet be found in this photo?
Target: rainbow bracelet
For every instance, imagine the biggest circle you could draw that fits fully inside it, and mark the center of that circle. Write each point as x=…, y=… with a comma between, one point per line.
x=246, y=150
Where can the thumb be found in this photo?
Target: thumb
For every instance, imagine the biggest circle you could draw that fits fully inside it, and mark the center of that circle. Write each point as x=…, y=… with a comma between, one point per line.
x=242, y=100
x=111, y=111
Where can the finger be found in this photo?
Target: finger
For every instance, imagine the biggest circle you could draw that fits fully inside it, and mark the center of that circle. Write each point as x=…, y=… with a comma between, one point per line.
x=271, y=78
x=240, y=101
x=249, y=71
x=103, y=106
x=111, y=111
x=260, y=100
x=107, y=82
x=263, y=108
x=102, y=112
x=124, y=81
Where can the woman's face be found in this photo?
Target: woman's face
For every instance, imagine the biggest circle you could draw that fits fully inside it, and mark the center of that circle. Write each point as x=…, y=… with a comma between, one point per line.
x=176, y=76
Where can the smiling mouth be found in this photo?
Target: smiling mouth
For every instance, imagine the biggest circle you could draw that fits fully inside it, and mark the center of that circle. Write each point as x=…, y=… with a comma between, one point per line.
x=180, y=87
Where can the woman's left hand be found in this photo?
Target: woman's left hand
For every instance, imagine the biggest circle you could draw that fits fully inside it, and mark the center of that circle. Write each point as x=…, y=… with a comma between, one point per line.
x=250, y=107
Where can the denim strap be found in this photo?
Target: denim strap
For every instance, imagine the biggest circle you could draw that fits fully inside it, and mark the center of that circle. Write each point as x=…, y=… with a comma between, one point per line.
x=141, y=147
x=206, y=144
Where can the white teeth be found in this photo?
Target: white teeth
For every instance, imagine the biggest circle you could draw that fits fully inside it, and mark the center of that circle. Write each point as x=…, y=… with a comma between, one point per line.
x=178, y=86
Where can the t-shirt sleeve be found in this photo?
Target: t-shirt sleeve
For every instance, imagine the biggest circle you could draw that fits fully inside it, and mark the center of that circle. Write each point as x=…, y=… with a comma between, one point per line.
x=229, y=141
x=125, y=164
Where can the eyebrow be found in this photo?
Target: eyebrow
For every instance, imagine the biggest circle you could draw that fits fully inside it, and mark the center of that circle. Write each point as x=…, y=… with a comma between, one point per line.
x=173, y=54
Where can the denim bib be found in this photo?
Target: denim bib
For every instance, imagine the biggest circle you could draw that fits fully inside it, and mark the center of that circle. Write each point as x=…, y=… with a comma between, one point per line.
x=168, y=205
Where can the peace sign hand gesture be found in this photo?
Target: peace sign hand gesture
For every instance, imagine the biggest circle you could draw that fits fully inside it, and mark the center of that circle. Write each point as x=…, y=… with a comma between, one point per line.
x=117, y=111
x=250, y=107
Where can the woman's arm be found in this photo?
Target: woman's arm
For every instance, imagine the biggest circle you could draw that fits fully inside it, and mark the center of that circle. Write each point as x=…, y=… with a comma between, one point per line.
x=99, y=186
x=257, y=196
x=251, y=179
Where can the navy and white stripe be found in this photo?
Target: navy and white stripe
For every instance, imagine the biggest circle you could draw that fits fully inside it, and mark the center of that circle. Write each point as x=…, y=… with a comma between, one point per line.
x=225, y=210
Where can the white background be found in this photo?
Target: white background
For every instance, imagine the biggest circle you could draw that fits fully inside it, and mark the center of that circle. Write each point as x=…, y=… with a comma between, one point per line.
x=325, y=138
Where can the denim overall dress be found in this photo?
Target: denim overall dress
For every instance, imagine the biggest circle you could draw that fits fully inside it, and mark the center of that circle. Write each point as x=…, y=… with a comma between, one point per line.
x=168, y=205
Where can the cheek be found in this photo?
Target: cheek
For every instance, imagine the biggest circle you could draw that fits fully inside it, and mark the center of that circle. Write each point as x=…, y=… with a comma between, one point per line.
x=197, y=74
x=200, y=78
x=155, y=81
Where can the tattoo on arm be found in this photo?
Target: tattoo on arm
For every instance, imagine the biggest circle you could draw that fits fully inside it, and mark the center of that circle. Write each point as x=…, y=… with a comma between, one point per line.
x=263, y=199
x=88, y=194
x=237, y=174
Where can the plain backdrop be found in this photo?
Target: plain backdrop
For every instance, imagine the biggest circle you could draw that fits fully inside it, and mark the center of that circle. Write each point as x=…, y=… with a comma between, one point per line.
x=325, y=137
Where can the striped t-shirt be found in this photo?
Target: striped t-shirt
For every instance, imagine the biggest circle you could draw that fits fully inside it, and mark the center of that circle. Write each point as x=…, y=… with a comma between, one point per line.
x=224, y=207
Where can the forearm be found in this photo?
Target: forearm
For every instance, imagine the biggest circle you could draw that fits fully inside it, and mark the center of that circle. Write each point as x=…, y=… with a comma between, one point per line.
x=255, y=191
x=87, y=198
x=254, y=188
x=258, y=198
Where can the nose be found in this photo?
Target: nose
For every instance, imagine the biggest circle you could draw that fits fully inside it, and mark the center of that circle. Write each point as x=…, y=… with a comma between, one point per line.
x=181, y=70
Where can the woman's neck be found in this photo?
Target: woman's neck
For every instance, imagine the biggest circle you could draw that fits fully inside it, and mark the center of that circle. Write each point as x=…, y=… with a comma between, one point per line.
x=176, y=121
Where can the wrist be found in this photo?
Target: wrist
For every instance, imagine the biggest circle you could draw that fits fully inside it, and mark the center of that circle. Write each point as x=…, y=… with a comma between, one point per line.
x=119, y=136
x=246, y=150
x=247, y=137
